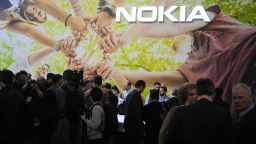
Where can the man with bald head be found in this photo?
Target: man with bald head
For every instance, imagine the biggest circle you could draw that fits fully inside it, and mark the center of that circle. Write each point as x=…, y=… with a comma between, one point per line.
x=245, y=122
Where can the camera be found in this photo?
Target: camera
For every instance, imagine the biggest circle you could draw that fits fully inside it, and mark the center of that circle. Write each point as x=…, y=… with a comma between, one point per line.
x=31, y=83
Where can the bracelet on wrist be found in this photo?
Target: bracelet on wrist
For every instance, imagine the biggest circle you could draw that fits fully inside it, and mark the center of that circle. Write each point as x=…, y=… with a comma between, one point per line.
x=67, y=19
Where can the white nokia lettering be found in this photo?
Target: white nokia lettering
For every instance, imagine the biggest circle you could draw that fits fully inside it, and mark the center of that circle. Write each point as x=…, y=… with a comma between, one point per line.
x=158, y=14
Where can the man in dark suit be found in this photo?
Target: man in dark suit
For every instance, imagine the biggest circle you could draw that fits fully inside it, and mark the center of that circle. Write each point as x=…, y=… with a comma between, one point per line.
x=245, y=122
x=153, y=117
x=202, y=122
x=133, y=122
x=12, y=118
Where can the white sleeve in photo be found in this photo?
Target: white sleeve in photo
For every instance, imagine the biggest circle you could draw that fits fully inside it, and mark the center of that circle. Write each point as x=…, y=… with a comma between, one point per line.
x=20, y=64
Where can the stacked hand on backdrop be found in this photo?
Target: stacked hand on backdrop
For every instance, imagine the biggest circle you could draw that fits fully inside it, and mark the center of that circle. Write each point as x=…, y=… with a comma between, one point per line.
x=107, y=40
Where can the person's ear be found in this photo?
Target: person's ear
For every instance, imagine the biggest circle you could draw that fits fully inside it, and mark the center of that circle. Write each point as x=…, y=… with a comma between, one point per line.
x=251, y=98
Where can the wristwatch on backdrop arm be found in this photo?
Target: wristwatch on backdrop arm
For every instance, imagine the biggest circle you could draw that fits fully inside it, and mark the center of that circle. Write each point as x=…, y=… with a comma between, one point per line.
x=105, y=6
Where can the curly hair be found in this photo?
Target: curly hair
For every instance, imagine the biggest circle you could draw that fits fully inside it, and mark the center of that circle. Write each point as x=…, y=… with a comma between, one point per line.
x=184, y=92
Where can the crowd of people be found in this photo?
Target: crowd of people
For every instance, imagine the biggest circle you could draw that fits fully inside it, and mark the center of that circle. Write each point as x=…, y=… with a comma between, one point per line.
x=67, y=109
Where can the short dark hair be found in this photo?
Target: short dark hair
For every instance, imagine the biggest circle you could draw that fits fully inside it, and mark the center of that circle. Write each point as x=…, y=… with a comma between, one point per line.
x=96, y=94
x=164, y=87
x=115, y=88
x=56, y=78
x=67, y=74
x=154, y=94
x=205, y=86
x=140, y=83
x=157, y=83
x=20, y=73
x=129, y=83
x=253, y=87
x=7, y=77
x=107, y=85
x=49, y=76
x=218, y=92
x=48, y=66
x=97, y=80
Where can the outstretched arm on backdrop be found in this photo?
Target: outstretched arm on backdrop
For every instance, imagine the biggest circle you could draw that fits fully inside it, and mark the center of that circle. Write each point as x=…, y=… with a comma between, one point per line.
x=31, y=31
x=111, y=42
x=103, y=18
x=66, y=46
x=77, y=7
x=157, y=30
x=78, y=23
x=107, y=71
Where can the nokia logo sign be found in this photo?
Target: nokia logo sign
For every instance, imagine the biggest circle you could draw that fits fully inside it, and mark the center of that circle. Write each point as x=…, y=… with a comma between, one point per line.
x=158, y=14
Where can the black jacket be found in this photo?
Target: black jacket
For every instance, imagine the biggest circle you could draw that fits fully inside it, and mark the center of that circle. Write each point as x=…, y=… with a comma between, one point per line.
x=11, y=115
x=152, y=115
x=74, y=102
x=133, y=115
x=201, y=123
x=245, y=128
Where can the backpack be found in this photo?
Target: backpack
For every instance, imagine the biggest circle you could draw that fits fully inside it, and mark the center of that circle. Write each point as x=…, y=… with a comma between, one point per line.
x=111, y=122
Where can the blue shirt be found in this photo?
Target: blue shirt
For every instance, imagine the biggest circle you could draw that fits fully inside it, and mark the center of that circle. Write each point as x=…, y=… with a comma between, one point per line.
x=6, y=4
x=163, y=98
